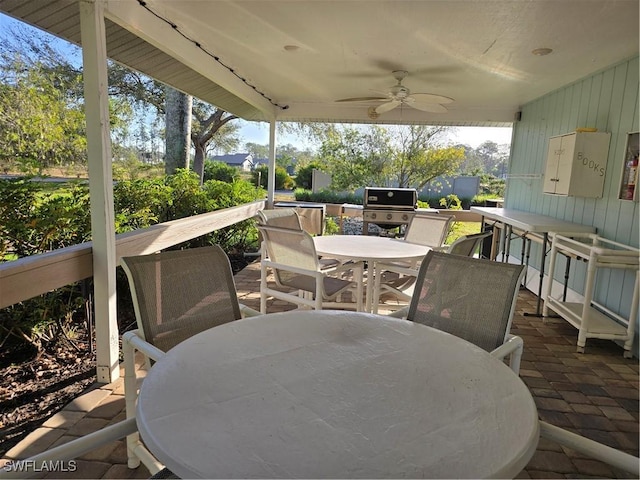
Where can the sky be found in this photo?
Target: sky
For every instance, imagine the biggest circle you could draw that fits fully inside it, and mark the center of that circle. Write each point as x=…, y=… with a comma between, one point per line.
x=254, y=132
x=258, y=132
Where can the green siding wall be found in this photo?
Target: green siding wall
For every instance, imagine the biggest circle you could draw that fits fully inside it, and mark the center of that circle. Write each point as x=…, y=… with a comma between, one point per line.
x=607, y=101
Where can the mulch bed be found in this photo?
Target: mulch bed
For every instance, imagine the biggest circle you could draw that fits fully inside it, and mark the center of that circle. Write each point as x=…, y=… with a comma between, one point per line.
x=33, y=387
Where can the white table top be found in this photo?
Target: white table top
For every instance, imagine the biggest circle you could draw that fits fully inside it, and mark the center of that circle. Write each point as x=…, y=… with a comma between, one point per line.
x=532, y=222
x=335, y=394
x=364, y=247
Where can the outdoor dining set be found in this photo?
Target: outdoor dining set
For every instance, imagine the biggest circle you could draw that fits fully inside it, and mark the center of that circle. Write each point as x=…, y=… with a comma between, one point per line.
x=333, y=388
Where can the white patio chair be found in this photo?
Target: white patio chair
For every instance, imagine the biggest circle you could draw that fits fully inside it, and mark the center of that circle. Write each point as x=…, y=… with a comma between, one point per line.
x=471, y=298
x=292, y=257
x=288, y=218
x=281, y=217
x=176, y=294
x=397, y=278
x=430, y=229
x=466, y=245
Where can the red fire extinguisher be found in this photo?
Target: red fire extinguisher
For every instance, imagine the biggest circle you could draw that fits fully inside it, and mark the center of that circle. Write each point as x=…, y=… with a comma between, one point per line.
x=632, y=167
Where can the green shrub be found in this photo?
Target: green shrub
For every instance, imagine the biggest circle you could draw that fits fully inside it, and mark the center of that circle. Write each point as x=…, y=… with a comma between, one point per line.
x=260, y=176
x=36, y=220
x=216, y=170
x=327, y=196
x=451, y=202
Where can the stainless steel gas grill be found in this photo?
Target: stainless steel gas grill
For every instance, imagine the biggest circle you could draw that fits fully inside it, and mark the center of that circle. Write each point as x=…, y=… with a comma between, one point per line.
x=388, y=207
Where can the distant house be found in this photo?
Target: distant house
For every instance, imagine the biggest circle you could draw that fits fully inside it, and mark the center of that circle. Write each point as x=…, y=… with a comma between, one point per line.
x=260, y=161
x=243, y=161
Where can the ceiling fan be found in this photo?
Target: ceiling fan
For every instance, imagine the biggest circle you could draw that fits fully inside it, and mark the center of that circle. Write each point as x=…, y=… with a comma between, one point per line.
x=399, y=95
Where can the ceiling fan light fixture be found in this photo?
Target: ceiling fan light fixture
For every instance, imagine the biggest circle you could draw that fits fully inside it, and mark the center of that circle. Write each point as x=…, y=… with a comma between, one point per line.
x=372, y=114
x=541, y=52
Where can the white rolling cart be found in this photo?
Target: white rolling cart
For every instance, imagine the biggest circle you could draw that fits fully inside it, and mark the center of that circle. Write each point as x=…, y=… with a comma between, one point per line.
x=592, y=319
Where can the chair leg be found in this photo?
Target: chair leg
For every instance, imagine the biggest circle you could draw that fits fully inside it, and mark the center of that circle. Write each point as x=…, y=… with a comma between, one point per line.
x=263, y=289
x=130, y=394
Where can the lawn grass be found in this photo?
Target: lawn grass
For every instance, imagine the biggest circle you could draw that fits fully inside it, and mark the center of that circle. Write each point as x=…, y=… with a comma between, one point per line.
x=462, y=228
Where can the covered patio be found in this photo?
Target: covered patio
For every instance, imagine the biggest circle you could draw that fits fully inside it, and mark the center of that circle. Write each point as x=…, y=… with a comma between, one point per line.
x=487, y=63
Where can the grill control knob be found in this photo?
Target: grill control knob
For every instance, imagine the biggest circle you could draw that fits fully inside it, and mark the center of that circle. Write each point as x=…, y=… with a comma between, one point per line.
x=405, y=217
x=373, y=216
x=389, y=216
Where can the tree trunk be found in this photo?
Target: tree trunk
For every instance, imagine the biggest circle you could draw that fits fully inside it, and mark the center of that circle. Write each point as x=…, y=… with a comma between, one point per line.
x=178, y=130
x=198, y=160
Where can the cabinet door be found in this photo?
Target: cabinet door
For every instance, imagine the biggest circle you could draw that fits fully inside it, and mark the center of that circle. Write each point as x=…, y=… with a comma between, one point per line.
x=553, y=160
x=565, y=164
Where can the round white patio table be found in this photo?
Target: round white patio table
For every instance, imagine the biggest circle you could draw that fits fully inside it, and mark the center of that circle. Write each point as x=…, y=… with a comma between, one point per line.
x=371, y=249
x=335, y=394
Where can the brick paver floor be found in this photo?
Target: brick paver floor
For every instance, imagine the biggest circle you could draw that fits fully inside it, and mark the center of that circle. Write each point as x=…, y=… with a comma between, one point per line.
x=594, y=394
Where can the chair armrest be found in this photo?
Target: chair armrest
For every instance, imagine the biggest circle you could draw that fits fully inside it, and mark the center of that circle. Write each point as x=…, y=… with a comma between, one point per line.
x=72, y=449
x=248, y=311
x=591, y=448
x=514, y=347
x=134, y=339
x=402, y=313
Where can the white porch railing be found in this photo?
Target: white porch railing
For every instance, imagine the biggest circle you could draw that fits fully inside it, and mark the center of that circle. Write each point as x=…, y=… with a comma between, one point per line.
x=28, y=277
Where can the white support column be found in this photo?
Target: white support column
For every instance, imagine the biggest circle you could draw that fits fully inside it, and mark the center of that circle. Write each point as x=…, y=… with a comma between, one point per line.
x=94, y=56
x=271, y=180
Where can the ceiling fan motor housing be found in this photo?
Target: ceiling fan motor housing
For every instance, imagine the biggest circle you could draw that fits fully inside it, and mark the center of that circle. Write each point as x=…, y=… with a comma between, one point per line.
x=399, y=91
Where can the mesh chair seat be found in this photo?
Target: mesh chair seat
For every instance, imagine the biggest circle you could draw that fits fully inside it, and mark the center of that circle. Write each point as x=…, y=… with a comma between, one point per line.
x=180, y=293
x=467, y=245
x=471, y=298
x=332, y=286
x=281, y=217
x=428, y=229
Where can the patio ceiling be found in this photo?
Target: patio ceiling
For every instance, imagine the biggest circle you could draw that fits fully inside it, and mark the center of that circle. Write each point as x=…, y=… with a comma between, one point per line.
x=291, y=60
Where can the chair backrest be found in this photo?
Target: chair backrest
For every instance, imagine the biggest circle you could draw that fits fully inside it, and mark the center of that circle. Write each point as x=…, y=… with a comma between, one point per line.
x=428, y=229
x=291, y=248
x=179, y=293
x=281, y=217
x=468, y=297
x=467, y=245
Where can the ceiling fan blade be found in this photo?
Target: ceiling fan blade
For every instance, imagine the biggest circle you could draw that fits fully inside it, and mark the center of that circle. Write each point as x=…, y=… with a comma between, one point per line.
x=361, y=99
x=385, y=107
x=428, y=107
x=431, y=98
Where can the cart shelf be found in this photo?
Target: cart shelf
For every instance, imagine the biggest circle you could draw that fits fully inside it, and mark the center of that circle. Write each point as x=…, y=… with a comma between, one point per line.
x=590, y=318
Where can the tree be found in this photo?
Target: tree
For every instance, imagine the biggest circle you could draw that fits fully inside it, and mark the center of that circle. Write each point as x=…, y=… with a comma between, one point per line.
x=211, y=125
x=177, y=131
x=404, y=156
x=419, y=158
x=356, y=157
x=39, y=128
x=256, y=150
x=46, y=84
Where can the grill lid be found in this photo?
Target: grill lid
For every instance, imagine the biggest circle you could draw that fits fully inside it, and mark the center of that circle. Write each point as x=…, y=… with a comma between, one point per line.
x=390, y=198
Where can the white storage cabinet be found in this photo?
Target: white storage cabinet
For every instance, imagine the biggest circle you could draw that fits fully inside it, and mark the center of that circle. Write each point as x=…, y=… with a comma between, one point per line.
x=590, y=318
x=576, y=164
